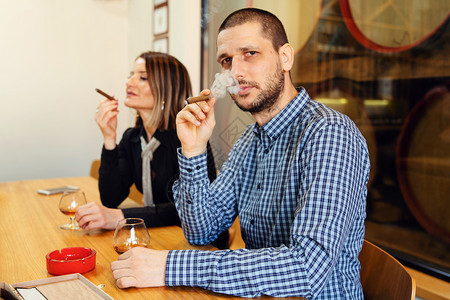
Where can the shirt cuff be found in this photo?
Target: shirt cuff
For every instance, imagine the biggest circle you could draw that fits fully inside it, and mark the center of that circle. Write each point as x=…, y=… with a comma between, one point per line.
x=192, y=267
x=181, y=268
x=194, y=168
x=109, y=154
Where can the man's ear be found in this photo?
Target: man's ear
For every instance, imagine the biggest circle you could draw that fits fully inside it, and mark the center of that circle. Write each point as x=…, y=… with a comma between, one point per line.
x=286, y=53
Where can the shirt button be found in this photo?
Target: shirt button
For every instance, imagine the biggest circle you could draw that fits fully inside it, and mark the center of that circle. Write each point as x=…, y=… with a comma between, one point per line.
x=197, y=167
x=266, y=151
x=189, y=202
x=252, y=222
x=189, y=170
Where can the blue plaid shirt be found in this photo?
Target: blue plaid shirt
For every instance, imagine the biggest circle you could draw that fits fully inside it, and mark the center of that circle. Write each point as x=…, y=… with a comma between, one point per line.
x=298, y=184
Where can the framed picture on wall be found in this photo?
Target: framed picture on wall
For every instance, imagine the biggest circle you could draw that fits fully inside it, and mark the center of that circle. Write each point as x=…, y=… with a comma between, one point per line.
x=161, y=19
x=161, y=45
x=159, y=2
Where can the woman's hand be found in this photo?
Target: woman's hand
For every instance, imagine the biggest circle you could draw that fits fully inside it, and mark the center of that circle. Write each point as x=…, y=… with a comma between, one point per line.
x=96, y=216
x=140, y=267
x=195, y=124
x=106, y=119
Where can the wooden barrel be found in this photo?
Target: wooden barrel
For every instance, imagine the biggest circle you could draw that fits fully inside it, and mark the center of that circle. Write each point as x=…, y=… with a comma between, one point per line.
x=423, y=162
x=298, y=17
x=339, y=97
x=392, y=26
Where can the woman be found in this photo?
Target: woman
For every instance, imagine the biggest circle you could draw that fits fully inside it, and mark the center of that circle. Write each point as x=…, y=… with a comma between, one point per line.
x=156, y=88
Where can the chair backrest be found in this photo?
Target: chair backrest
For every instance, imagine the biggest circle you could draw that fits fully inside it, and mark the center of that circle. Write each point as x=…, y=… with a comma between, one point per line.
x=383, y=277
x=134, y=192
x=94, y=168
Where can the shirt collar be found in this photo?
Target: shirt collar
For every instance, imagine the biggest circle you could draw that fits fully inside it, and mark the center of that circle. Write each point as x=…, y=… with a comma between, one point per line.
x=273, y=129
x=159, y=135
x=137, y=137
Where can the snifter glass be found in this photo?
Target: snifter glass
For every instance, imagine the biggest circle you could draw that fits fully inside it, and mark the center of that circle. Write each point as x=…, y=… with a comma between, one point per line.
x=130, y=232
x=70, y=201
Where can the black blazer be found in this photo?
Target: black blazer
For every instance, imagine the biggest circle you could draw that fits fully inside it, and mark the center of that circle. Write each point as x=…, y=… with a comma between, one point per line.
x=122, y=167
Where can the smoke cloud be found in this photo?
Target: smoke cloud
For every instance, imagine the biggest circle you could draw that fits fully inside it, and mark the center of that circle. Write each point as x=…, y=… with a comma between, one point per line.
x=224, y=82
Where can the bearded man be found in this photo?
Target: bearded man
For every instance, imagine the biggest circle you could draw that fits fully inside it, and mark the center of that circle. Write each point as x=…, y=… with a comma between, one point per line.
x=296, y=178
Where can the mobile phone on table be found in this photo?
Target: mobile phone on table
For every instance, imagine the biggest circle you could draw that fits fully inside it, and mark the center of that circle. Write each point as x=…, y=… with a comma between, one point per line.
x=58, y=190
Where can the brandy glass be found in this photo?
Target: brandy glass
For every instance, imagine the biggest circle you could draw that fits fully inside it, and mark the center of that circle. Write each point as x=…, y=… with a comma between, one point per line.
x=130, y=232
x=68, y=204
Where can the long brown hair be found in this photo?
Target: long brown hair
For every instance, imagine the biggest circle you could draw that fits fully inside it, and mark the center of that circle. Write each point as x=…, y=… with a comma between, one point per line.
x=170, y=84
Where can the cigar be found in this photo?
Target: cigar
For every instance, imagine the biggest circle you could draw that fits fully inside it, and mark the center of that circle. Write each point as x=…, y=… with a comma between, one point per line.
x=197, y=99
x=104, y=94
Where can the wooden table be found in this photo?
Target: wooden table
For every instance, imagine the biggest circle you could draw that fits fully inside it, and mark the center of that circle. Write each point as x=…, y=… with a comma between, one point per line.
x=30, y=228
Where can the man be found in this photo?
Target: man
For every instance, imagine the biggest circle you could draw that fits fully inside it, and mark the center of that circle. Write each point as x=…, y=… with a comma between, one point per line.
x=296, y=178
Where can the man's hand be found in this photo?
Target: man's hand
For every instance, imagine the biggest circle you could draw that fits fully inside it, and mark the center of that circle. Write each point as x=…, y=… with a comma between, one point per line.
x=140, y=267
x=195, y=124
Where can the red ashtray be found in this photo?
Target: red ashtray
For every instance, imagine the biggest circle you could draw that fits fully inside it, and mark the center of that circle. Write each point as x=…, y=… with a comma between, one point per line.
x=71, y=260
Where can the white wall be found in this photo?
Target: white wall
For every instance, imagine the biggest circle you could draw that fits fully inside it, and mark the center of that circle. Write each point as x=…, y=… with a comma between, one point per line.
x=140, y=35
x=184, y=33
x=185, y=36
x=53, y=54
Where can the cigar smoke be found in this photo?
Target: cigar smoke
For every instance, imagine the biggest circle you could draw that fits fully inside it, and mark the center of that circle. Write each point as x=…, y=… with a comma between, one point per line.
x=224, y=82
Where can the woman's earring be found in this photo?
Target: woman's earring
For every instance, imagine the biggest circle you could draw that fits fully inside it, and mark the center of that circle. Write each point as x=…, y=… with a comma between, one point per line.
x=162, y=107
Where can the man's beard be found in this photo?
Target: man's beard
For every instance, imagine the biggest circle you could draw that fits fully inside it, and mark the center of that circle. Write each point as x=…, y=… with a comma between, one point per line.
x=268, y=97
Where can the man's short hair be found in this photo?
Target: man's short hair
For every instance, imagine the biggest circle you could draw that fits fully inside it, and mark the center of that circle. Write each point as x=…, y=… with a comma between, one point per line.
x=271, y=26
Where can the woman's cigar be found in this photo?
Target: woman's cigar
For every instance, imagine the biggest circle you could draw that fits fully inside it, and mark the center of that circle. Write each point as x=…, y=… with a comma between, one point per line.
x=197, y=99
x=104, y=94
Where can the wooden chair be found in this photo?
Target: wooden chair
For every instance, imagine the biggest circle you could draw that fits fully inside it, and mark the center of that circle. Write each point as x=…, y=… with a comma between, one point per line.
x=94, y=168
x=383, y=277
x=135, y=195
